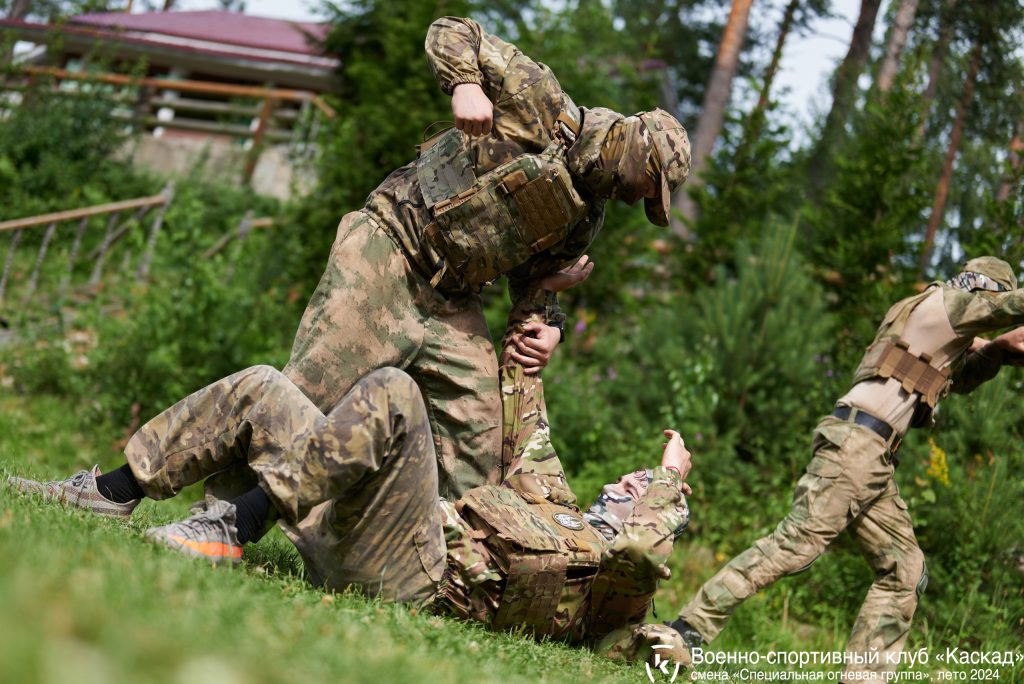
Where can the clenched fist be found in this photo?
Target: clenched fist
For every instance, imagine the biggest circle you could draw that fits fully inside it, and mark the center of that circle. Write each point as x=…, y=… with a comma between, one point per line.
x=473, y=112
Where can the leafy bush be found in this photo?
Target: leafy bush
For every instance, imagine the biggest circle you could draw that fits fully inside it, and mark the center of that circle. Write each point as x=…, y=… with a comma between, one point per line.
x=58, y=151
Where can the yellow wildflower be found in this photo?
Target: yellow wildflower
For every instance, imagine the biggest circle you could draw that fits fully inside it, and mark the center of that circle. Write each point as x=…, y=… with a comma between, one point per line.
x=938, y=469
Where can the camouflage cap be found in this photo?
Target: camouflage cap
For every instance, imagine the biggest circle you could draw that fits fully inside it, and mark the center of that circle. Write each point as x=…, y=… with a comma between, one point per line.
x=996, y=269
x=673, y=149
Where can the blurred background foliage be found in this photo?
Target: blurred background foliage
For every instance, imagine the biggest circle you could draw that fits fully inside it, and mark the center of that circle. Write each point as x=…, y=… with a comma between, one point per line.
x=739, y=327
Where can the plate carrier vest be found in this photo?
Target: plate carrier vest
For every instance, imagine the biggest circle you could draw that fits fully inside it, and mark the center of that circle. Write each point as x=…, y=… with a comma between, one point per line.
x=889, y=356
x=548, y=553
x=487, y=225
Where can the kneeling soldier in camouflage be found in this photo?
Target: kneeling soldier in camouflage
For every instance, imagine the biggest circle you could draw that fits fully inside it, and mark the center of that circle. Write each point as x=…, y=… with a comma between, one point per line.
x=849, y=482
x=357, y=491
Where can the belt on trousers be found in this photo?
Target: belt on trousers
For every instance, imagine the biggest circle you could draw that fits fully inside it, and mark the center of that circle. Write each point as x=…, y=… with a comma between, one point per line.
x=888, y=434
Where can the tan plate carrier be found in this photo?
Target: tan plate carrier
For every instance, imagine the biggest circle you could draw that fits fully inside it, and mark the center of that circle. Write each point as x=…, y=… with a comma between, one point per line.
x=486, y=226
x=549, y=554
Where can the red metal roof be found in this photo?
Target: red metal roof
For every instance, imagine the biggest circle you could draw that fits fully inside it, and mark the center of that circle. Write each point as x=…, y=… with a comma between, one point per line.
x=230, y=28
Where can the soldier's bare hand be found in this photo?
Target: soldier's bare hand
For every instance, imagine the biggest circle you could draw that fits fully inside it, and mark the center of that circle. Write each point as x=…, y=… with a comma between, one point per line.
x=472, y=110
x=568, y=277
x=677, y=456
x=534, y=346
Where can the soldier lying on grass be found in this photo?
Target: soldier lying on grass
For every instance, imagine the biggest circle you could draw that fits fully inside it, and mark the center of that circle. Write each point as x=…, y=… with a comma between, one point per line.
x=519, y=554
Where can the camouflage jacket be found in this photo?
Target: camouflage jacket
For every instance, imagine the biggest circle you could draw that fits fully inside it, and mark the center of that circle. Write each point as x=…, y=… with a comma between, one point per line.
x=527, y=98
x=639, y=516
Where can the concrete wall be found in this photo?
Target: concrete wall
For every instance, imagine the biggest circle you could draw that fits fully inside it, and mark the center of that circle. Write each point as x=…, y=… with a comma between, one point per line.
x=177, y=155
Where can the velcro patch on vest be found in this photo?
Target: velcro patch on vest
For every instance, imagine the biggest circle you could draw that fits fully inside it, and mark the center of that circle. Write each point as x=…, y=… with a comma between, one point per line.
x=445, y=170
x=915, y=373
x=568, y=520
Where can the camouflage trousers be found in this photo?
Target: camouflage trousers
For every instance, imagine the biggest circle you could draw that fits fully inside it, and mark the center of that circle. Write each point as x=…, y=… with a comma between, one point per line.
x=356, y=488
x=848, y=483
x=372, y=310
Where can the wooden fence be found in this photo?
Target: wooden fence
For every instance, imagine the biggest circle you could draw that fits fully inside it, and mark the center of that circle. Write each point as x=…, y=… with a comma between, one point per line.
x=259, y=115
x=115, y=230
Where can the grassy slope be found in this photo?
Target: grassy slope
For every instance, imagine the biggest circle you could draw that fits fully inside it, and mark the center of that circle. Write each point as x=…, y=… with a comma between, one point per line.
x=87, y=599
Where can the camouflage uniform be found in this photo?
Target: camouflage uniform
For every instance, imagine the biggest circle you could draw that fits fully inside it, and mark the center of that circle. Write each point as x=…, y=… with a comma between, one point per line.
x=375, y=305
x=356, y=490
x=849, y=480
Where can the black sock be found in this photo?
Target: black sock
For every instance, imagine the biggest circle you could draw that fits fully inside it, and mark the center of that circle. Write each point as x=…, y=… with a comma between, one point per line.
x=251, y=512
x=120, y=486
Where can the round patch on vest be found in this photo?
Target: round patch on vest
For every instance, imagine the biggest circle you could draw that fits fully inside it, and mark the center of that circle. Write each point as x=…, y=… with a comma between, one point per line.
x=569, y=521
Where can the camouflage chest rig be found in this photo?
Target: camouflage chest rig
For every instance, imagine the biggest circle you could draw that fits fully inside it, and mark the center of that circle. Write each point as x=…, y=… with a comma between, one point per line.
x=889, y=356
x=549, y=555
x=484, y=226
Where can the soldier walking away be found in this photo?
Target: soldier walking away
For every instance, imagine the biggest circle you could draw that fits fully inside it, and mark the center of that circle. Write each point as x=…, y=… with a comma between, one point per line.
x=516, y=188
x=924, y=347
x=518, y=555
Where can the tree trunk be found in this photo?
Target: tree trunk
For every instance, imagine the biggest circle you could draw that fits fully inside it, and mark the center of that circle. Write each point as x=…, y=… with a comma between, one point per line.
x=946, y=25
x=844, y=90
x=758, y=116
x=19, y=9
x=716, y=97
x=897, y=40
x=1016, y=160
x=168, y=5
x=942, y=188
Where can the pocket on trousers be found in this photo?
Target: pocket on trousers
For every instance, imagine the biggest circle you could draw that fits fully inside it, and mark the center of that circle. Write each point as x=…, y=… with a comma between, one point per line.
x=826, y=468
x=431, y=549
x=818, y=494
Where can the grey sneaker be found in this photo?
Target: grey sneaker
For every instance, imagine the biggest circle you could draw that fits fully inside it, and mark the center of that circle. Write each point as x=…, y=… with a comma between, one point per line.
x=79, y=490
x=209, y=534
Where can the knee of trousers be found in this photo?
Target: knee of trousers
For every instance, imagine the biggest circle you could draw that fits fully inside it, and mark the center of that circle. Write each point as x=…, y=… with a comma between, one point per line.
x=791, y=548
x=403, y=393
x=912, y=572
x=907, y=578
x=265, y=374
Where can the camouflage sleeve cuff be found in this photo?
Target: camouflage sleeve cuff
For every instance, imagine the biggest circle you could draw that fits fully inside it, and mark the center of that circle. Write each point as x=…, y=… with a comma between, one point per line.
x=666, y=491
x=449, y=87
x=669, y=476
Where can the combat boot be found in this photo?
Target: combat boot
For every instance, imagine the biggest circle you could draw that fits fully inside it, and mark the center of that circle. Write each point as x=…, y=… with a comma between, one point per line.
x=691, y=637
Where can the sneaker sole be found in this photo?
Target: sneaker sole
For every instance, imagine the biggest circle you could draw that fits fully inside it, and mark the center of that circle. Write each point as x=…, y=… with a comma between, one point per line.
x=217, y=553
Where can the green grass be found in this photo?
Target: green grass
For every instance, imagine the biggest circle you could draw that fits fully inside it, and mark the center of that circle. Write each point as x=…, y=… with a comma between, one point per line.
x=88, y=599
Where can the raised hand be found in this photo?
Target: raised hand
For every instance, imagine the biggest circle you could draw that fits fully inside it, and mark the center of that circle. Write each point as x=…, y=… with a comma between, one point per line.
x=677, y=457
x=472, y=110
